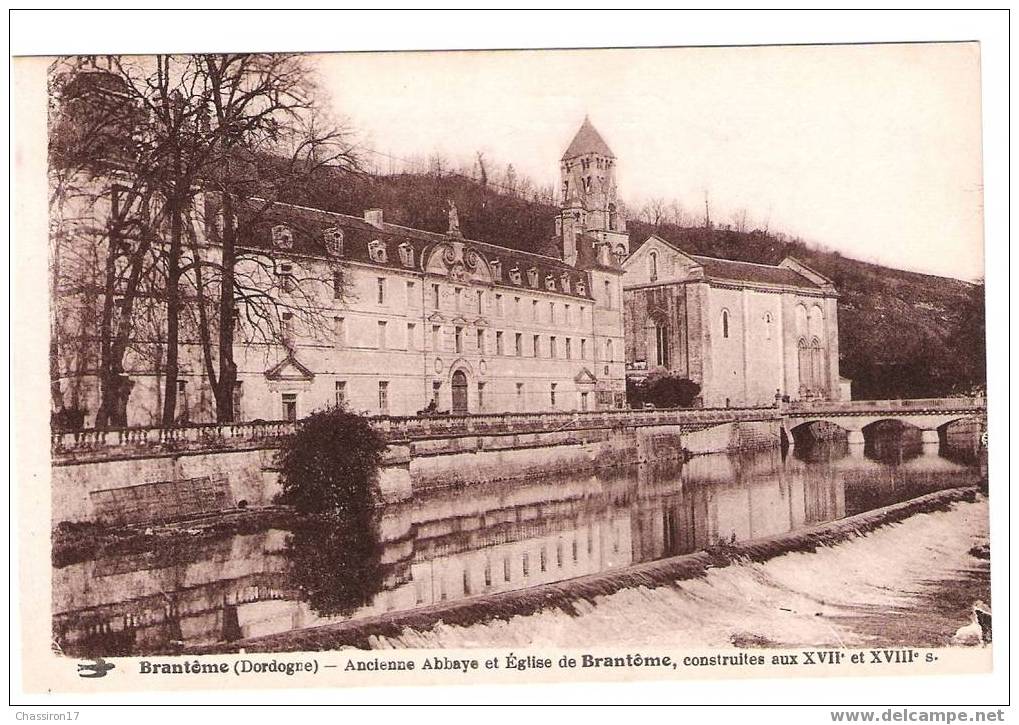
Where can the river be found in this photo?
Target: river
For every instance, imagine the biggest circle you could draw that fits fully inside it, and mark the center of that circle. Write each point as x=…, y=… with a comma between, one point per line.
x=908, y=583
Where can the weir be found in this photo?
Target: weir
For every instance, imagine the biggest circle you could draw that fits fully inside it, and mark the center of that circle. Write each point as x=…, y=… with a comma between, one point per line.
x=92, y=468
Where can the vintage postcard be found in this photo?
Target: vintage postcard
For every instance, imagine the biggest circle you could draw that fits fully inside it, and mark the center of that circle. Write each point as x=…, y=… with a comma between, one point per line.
x=497, y=367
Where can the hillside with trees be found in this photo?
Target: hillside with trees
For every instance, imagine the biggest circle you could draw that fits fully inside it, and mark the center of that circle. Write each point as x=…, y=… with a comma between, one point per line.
x=901, y=334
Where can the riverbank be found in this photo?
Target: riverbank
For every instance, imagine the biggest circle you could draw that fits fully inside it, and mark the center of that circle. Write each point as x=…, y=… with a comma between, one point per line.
x=519, y=617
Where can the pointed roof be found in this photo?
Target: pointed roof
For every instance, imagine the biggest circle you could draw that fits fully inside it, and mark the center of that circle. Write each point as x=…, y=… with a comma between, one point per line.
x=587, y=141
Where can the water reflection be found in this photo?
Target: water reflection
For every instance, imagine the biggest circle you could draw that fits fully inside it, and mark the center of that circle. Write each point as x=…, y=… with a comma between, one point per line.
x=448, y=545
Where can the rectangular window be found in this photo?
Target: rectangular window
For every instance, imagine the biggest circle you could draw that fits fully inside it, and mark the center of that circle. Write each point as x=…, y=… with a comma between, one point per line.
x=382, y=335
x=286, y=278
x=520, y=397
x=498, y=305
x=552, y=351
x=435, y=296
x=583, y=348
x=534, y=310
x=410, y=294
x=569, y=351
x=526, y=564
x=238, y=399
x=290, y=406
x=516, y=307
x=459, y=339
x=488, y=573
x=543, y=560
x=481, y=302
x=383, y=396
x=435, y=337
x=519, y=342
x=411, y=336
x=340, y=331
x=569, y=321
x=341, y=393
x=506, y=569
x=481, y=396
x=498, y=342
x=551, y=313
x=337, y=285
x=583, y=315
x=456, y=297
x=608, y=294
x=536, y=345
x=287, y=325
x=381, y=290
x=551, y=394
x=481, y=342
x=583, y=401
x=436, y=391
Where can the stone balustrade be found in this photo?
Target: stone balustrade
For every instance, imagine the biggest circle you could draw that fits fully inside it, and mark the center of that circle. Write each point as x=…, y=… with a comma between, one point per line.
x=115, y=443
x=118, y=442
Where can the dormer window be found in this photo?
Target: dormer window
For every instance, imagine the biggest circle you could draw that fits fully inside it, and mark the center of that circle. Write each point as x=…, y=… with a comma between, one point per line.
x=496, y=266
x=549, y=282
x=332, y=238
x=581, y=287
x=282, y=237
x=406, y=254
x=532, y=277
x=564, y=282
x=377, y=251
x=515, y=277
x=604, y=255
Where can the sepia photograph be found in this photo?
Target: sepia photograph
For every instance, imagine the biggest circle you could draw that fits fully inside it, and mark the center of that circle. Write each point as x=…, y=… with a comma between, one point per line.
x=664, y=360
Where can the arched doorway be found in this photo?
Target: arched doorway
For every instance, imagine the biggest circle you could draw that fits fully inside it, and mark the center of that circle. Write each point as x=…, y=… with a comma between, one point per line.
x=459, y=393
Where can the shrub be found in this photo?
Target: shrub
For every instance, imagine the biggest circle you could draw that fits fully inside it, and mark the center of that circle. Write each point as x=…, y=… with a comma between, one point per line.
x=331, y=464
x=671, y=391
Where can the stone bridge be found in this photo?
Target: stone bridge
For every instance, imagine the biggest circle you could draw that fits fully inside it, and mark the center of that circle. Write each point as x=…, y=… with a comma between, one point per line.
x=930, y=415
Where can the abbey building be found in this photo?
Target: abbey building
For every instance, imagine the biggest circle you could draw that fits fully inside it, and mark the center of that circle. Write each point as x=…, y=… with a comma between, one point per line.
x=389, y=320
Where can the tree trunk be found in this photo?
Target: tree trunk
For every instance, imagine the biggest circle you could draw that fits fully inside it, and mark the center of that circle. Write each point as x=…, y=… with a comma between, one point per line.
x=172, y=315
x=225, y=412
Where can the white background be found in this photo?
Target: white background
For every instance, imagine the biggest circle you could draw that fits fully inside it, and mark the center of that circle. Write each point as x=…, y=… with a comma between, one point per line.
x=65, y=32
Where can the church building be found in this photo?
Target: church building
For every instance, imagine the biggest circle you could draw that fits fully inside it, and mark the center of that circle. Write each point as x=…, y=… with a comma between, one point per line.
x=746, y=333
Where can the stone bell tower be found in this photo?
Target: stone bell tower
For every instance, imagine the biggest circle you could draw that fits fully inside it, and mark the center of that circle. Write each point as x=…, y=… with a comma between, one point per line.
x=590, y=203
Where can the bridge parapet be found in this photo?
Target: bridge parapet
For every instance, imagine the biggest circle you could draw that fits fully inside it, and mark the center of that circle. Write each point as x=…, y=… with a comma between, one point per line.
x=909, y=406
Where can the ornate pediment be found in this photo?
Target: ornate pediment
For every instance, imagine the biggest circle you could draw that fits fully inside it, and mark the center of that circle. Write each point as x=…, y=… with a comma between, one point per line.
x=290, y=368
x=458, y=261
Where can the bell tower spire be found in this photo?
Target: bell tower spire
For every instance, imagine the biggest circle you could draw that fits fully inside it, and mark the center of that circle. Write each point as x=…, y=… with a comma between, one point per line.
x=590, y=204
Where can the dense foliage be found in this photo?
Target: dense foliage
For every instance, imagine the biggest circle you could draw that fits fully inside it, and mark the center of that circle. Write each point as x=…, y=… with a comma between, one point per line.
x=331, y=464
x=662, y=391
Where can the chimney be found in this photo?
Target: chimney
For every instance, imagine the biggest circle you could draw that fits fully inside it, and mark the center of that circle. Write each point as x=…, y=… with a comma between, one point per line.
x=373, y=217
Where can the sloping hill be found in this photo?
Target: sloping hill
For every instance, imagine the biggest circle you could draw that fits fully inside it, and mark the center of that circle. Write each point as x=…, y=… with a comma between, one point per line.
x=901, y=334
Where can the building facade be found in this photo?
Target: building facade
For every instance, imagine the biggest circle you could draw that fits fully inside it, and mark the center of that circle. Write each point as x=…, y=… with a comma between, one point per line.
x=746, y=333
x=381, y=318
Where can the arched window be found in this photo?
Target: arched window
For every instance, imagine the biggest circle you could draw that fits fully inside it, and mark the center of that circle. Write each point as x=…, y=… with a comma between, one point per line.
x=816, y=323
x=620, y=253
x=801, y=320
x=652, y=263
x=811, y=359
x=725, y=324
x=661, y=345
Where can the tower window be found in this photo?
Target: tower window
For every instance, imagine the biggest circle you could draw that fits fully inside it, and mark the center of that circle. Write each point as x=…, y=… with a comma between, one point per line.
x=653, y=266
x=725, y=324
